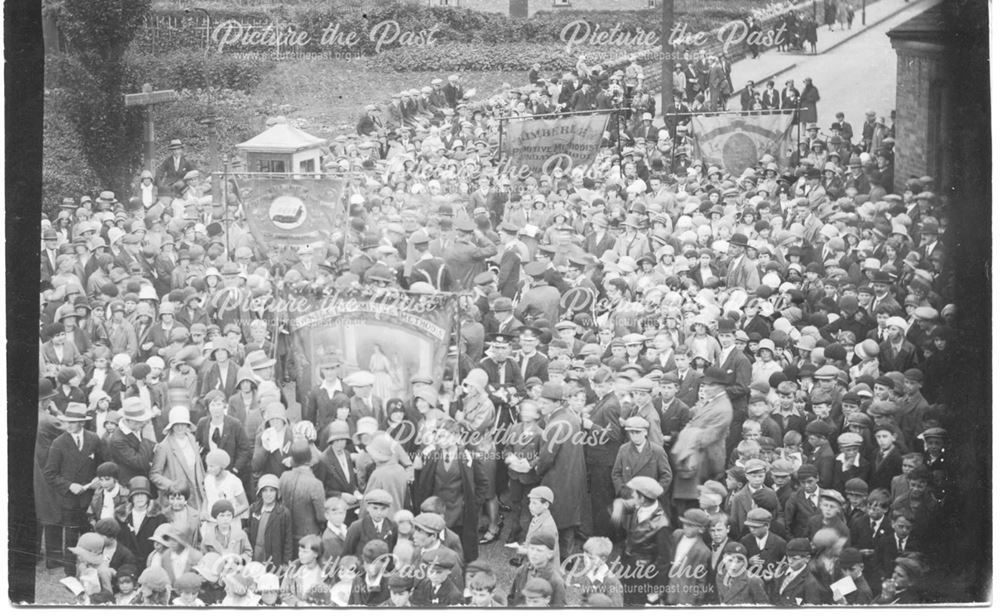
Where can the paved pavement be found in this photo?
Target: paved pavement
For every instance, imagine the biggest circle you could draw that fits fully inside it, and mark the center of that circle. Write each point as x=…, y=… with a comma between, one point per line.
x=855, y=70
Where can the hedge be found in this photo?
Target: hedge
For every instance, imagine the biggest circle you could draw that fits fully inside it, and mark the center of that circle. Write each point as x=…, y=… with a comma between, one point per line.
x=481, y=57
x=196, y=69
x=454, y=25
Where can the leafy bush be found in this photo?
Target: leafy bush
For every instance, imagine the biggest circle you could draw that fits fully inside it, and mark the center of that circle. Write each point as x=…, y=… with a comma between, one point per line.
x=195, y=69
x=65, y=172
x=484, y=57
x=239, y=116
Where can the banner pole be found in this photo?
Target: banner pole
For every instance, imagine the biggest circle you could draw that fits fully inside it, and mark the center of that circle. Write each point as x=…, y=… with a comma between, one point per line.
x=458, y=339
x=225, y=201
x=500, y=144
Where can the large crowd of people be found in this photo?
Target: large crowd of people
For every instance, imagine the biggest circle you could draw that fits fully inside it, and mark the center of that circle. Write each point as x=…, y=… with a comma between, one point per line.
x=674, y=384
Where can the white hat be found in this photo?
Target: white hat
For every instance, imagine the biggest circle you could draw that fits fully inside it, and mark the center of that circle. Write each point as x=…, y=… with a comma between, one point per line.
x=178, y=415
x=896, y=322
x=361, y=378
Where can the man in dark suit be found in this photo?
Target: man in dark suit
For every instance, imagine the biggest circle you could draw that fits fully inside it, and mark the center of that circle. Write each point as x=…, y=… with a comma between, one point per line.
x=797, y=586
x=734, y=363
x=689, y=380
x=742, y=271
x=531, y=362
x=604, y=427
x=509, y=275
x=747, y=97
x=674, y=413
x=173, y=169
x=804, y=503
x=893, y=544
x=217, y=430
x=70, y=470
x=326, y=397
x=867, y=531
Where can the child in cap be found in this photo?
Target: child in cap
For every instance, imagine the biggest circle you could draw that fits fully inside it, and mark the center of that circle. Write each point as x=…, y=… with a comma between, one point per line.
x=539, y=502
x=375, y=525
x=187, y=587
x=900, y=486
x=109, y=495
x=400, y=589
x=125, y=583
x=849, y=463
x=437, y=588
x=371, y=586
x=540, y=562
x=831, y=514
x=734, y=584
x=222, y=533
x=759, y=410
x=851, y=564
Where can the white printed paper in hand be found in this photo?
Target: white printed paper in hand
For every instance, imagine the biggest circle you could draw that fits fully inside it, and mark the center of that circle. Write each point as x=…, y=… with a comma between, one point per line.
x=74, y=585
x=843, y=587
x=270, y=439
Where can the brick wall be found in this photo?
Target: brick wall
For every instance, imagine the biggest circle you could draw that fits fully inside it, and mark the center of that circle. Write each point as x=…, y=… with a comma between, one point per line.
x=917, y=152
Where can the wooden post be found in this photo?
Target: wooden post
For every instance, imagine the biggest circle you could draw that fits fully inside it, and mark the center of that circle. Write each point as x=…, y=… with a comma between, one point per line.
x=145, y=100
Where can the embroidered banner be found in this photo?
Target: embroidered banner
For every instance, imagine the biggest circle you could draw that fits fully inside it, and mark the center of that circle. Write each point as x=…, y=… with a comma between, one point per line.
x=736, y=143
x=537, y=145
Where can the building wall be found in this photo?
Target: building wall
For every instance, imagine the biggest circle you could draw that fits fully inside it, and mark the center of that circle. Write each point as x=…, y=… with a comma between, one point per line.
x=919, y=111
x=533, y=6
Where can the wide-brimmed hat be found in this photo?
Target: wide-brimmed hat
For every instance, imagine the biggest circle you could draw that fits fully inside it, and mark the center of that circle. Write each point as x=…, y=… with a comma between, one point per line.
x=258, y=360
x=178, y=415
x=135, y=409
x=75, y=412
x=90, y=548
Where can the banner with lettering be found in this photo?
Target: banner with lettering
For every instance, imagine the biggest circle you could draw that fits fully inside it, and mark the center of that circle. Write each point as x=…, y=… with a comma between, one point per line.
x=292, y=210
x=570, y=141
x=736, y=143
x=393, y=334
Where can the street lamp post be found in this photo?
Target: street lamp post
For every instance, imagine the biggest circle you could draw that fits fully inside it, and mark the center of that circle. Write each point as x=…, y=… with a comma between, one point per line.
x=863, y=16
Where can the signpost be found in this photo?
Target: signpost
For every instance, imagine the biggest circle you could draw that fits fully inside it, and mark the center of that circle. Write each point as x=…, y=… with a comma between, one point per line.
x=145, y=99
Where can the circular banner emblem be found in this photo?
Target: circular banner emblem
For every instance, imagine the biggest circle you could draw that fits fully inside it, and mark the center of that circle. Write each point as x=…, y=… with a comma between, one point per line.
x=739, y=152
x=287, y=212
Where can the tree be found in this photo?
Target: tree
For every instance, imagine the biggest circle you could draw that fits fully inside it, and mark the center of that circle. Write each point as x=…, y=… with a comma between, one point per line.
x=98, y=34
